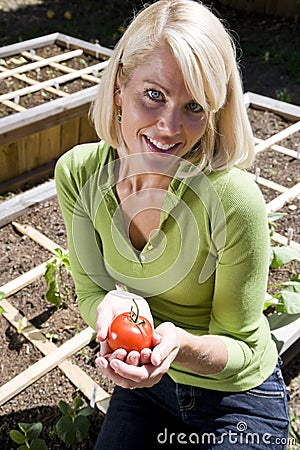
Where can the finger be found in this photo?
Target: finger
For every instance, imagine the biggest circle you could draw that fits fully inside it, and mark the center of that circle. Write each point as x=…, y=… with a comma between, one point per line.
x=145, y=356
x=137, y=374
x=104, y=319
x=168, y=345
x=133, y=358
x=120, y=354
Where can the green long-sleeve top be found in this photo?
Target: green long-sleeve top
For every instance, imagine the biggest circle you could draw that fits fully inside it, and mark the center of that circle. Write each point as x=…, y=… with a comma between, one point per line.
x=204, y=269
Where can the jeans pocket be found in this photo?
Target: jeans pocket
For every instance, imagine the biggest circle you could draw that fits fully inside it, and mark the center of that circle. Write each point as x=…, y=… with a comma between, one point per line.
x=256, y=392
x=273, y=387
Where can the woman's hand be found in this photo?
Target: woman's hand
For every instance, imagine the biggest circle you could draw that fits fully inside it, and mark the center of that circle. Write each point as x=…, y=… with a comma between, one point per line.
x=115, y=303
x=144, y=369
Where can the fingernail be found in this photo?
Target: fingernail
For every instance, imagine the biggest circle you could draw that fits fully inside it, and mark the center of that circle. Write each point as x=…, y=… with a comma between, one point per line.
x=99, y=363
x=114, y=365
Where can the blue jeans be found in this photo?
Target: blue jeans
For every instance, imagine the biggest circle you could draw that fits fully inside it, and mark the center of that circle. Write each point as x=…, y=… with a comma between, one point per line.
x=177, y=416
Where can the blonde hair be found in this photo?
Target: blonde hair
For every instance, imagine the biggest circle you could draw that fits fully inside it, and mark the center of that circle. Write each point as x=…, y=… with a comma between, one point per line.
x=206, y=55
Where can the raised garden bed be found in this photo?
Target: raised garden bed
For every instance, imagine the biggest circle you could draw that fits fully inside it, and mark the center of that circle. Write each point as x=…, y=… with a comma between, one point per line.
x=46, y=85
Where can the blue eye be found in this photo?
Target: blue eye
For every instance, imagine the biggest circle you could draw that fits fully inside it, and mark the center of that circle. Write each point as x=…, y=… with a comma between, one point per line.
x=195, y=107
x=154, y=95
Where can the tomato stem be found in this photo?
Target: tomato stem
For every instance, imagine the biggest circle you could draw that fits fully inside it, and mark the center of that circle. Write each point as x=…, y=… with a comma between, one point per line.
x=134, y=316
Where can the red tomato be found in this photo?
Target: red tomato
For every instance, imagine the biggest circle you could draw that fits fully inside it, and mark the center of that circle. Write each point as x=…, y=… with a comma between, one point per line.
x=130, y=331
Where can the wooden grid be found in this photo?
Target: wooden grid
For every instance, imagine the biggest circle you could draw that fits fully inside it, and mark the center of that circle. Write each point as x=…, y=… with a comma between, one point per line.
x=60, y=75
x=285, y=331
x=59, y=62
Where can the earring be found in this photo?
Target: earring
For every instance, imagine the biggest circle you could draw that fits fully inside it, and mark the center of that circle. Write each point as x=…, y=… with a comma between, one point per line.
x=119, y=116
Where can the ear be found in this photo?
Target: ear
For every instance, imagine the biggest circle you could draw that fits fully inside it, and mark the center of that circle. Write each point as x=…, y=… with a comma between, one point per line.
x=118, y=96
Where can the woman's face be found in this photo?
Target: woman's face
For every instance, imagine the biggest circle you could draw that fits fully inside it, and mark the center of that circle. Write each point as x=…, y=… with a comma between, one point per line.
x=159, y=115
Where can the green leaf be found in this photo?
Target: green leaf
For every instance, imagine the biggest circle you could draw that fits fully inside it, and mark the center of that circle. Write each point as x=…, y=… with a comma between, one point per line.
x=78, y=402
x=283, y=255
x=289, y=302
x=38, y=444
x=53, y=295
x=2, y=295
x=32, y=430
x=50, y=271
x=65, y=408
x=59, y=252
x=23, y=447
x=87, y=411
x=72, y=432
x=296, y=277
x=17, y=436
x=293, y=286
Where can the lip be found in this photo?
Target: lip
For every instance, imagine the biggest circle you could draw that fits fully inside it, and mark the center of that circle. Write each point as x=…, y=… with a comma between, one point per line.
x=155, y=149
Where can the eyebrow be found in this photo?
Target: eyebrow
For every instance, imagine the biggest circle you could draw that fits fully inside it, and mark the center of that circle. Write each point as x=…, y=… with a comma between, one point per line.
x=158, y=84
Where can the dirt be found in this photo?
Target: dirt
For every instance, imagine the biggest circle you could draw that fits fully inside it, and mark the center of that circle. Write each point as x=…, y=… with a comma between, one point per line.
x=266, y=70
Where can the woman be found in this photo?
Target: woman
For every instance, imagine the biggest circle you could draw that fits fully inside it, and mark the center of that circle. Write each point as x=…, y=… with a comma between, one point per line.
x=162, y=206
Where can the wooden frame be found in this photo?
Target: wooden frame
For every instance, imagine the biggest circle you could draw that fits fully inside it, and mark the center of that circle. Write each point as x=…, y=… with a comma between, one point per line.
x=31, y=140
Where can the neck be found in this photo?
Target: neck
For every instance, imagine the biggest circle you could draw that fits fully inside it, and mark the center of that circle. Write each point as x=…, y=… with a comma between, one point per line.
x=145, y=170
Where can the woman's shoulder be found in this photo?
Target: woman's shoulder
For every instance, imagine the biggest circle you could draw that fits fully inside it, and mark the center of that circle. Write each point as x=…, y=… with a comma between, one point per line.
x=237, y=188
x=234, y=179
x=83, y=155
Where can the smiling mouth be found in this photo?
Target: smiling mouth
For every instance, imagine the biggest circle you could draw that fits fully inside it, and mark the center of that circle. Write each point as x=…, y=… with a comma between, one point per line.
x=156, y=146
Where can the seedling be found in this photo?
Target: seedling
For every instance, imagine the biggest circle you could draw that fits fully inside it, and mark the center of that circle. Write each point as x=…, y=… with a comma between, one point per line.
x=74, y=424
x=57, y=292
x=2, y=297
x=288, y=299
x=28, y=437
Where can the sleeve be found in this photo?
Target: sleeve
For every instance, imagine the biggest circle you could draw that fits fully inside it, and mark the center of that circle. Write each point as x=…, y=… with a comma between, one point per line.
x=241, y=276
x=84, y=245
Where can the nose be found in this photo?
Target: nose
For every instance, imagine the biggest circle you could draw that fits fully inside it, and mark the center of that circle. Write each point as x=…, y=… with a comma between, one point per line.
x=170, y=122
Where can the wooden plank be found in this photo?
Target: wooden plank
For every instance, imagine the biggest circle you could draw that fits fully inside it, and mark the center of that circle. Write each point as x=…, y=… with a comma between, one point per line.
x=31, y=81
x=36, y=236
x=54, y=81
x=288, y=110
x=62, y=68
x=30, y=154
x=87, y=132
x=44, y=365
x=18, y=205
x=16, y=126
x=277, y=137
x=40, y=63
x=284, y=241
x=285, y=328
x=76, y=375
x=13, y=105
x=9, y=161
x=42, y=41
x=268, y=183
x=93, y=49
x=45, y=171
x=23, y=280
x=50, y=140
x=278, y=202
x=280, y=149
x=69, y=134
